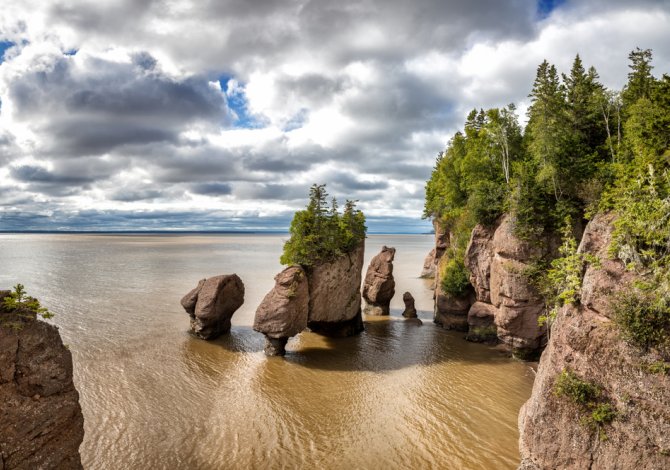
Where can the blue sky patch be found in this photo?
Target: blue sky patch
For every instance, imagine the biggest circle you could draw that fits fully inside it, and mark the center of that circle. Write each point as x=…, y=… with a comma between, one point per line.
x=237, y=102
x=545, y=7
x=4, y=45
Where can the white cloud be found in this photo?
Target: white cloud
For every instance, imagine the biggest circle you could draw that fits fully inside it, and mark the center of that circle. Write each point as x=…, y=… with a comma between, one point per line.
x=359, y=95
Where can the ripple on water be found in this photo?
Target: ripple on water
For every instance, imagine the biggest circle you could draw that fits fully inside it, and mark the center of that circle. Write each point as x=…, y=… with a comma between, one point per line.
x=400, y=395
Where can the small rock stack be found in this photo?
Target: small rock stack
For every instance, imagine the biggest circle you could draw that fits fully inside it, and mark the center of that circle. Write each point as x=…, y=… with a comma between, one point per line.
x=379, y=285
x=212, y=304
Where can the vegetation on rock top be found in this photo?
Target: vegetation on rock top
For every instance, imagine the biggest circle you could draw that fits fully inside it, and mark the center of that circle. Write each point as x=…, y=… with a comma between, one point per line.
x=320, y=233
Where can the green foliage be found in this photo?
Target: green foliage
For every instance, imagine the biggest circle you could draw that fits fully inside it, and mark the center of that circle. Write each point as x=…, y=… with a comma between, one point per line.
x=643, y=316
x=19, y=302
x=320, y=233
x=658, y=367
x=589, y=397
x=455, y=278
x=579, y=391
x=561, y=284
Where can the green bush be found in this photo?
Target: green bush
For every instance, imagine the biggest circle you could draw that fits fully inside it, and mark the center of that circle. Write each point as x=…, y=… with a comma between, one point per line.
x=321, y=234
x=579, y=391
x=643, y=316
x=19, y=302
x=589, y=397
x=455, y=279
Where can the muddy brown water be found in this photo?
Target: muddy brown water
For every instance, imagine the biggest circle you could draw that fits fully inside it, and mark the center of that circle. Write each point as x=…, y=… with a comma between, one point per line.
x=400, y=395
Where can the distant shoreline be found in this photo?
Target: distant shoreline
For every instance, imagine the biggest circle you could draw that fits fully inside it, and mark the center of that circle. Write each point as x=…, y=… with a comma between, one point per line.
x=174, y=232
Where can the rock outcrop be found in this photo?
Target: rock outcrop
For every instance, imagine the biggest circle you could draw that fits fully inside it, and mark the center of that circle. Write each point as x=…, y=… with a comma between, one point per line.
x=379, y=285
x=451, y=312
x=410, y=309
x=429, y=265
x=554, y=431
x=284, y=310
x=498, y=262
x=335, y=295
x=41, y=423
x=212, y=304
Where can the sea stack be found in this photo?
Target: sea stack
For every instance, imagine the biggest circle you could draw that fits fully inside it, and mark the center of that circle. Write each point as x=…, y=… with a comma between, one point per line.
x=284, y=310
x=379, y=285
x=410, y=310
x=212, y=304
x=335, y=295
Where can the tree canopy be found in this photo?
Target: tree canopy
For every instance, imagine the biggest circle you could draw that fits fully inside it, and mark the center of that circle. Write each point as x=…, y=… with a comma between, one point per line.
x=320, y=233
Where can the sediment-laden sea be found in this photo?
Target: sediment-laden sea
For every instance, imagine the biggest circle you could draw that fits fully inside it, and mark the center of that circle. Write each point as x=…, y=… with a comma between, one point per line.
x=397, y=396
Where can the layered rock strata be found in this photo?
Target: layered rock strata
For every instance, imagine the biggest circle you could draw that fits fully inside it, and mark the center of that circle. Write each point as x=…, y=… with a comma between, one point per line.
x=41, y=423
x=555, y=432
x=379, y=285
x=212, y=304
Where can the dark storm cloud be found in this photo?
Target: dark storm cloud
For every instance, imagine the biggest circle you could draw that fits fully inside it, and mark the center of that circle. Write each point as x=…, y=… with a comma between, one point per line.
x=91, y=107
x=350, y=183
x=36, y=174
x=211, y=188
x=282, y=192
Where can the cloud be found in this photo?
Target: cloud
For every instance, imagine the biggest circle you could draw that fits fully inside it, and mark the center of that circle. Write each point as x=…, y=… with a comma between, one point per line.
x=231, y=109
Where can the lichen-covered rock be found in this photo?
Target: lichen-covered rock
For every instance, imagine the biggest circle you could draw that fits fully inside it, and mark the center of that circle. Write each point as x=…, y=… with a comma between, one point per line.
x=410, y=309
x=41, y=423
x=284, y=310
x=216, y=300
x=379, y=285
x=554, y=431
x=335, y=295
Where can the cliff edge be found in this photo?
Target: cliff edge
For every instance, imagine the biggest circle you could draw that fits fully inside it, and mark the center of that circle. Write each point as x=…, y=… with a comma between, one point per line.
x=41, y=423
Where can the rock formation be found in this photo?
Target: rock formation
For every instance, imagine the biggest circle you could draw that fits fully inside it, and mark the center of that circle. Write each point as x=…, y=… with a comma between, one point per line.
x=429, y=264
x=325, y=298
x=284, y=310
x=379, y=285
x=410, y=310
x=41, y=424
x=335, y=295
x=212, y=304
x=498, y=262
x=554, y=431
x=451, y=312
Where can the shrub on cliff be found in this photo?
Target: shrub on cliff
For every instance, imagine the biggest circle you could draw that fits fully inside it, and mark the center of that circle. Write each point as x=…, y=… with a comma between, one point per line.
x=320, y=233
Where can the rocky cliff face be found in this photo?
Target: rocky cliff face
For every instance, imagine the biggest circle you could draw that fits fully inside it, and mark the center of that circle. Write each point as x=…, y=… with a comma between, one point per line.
x=502, y=304
x=335, y=295
x=41, y=424
x=557, y=432
x=507, y=303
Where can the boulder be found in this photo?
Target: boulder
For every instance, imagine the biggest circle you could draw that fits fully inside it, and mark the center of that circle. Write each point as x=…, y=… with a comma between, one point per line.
x=335, y=295
x=379, y=285
x=410, y=310
x=481, y=323
x=555, y=432
x=41, y=423
x=216, y=300
x=284, y=310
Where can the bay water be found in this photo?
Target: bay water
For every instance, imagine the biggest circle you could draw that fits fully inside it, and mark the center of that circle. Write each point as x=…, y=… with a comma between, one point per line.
x=399, y=395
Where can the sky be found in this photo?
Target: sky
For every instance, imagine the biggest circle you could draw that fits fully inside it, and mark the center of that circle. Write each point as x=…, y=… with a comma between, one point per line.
x=220, y=114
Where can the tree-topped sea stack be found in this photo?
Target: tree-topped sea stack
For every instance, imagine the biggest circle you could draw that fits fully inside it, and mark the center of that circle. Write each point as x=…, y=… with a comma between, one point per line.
x=212, y=303
x=379, y=285
x=326, y=249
